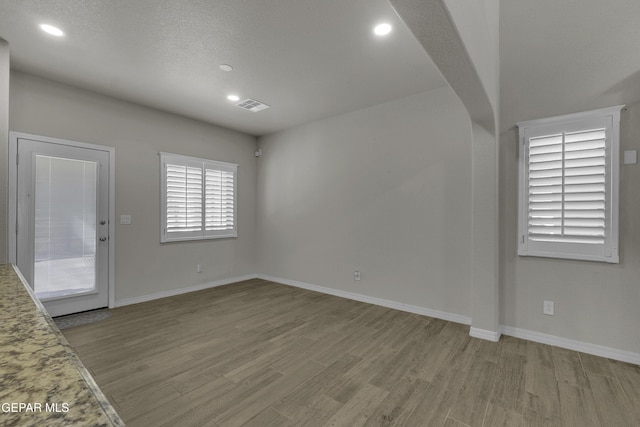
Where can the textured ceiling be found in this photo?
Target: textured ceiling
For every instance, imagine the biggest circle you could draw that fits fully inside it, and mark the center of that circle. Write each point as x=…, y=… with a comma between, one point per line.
x=308, y=59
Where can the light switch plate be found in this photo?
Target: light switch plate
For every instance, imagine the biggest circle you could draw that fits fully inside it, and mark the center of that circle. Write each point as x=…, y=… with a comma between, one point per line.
x=125, y=219
x=630, y=157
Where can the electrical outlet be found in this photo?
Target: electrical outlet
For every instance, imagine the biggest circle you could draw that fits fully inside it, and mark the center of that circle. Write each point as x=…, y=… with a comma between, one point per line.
x=547, y=308
x=198, y=269
x=630, y=157
x=356, y=276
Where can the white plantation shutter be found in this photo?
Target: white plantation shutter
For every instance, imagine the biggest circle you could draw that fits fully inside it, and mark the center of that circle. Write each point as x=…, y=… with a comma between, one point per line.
x=220, y=200
x=569, y=186
x=198, y=198
x=184, y=198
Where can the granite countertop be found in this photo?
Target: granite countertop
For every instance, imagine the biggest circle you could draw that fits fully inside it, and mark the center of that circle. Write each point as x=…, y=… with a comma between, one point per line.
x=42, y=381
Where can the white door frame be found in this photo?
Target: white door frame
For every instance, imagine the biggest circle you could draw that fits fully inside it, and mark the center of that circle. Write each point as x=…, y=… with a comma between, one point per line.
x=13, y=198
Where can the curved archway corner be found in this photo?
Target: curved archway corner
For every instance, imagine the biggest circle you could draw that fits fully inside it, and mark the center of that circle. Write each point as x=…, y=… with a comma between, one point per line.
x=462, y=41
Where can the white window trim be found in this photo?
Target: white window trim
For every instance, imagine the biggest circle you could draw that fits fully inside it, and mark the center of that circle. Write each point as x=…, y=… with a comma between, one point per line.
x=166, y=237
x=610, y=119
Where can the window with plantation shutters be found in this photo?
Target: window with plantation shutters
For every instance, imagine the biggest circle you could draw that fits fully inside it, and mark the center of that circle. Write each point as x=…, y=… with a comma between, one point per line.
x=568, y=201
x=198, y=198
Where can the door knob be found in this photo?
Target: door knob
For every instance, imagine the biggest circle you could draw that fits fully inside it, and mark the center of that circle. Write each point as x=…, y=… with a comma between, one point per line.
x=103, y=238
x=103, y=222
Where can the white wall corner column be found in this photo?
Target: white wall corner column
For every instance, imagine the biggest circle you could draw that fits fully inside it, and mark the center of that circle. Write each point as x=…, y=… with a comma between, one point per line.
x=4, y=147
x=462, y=40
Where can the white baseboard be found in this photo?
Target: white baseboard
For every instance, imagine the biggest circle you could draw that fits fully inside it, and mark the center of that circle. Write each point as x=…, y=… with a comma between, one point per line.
x=594, y=349
x=484, y=334
x=179, y=291
x=452, y=317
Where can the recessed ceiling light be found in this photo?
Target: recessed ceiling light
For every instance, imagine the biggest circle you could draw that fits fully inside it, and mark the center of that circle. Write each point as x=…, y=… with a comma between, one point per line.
x=382, y=29
x=50, y=29
x=226, y=67
x=233, y=98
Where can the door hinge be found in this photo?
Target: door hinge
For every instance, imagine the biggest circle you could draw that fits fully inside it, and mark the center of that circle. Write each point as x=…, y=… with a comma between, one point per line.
x=17, y=159
x=16, y=227
x=522, y=239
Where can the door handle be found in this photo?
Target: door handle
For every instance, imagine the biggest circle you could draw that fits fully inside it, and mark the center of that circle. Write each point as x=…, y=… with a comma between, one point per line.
x=103, y=238
x=103, y=222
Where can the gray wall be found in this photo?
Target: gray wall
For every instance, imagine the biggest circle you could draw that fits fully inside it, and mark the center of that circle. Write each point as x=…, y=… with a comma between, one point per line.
x=143, y=265
x=385, y=190
x=550, y=69
x=4, y=146
x=594, y=302
x=462, y=40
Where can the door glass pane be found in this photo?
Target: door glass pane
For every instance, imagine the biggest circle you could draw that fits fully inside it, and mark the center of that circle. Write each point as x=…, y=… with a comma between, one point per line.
x=65, y=227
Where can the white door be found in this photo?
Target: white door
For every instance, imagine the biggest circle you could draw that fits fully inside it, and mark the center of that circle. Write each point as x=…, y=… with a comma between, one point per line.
x=63, y=225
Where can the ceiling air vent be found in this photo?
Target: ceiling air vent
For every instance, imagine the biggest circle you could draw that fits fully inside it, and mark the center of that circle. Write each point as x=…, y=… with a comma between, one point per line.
x=252, y=105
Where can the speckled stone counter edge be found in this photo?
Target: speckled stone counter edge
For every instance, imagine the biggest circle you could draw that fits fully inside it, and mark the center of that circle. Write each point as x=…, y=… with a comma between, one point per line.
x=84, y=373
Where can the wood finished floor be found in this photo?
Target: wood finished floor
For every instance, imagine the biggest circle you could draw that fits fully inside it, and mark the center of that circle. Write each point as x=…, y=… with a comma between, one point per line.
x=258, y=353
